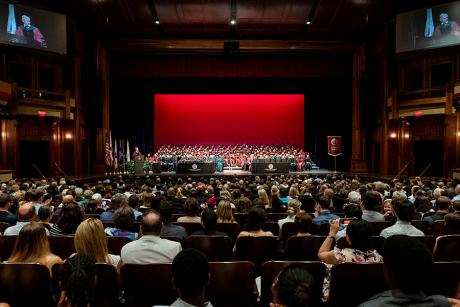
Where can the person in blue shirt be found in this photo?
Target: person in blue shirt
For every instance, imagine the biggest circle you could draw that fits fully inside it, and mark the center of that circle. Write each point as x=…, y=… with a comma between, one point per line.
x=322, y=210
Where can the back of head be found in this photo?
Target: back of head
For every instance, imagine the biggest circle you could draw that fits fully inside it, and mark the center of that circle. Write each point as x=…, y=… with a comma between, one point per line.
x=191, y=206
x=118, y=200
x=190, y=272
x=293, y=206
x=133, y=201
x=324, y=202
x=71, y=217
x=456, y=205
x=408, y=263
x=44, y=212
x=209, y=219
x=443, y=203
x=166, y=210
x=422, y=204
x=4, y=200
x=370, y=200
x=151, y=223
x=26, y=212
x=404, y=210
x=78, y=276
x=354, y=197
x=294, y=287
x=452, y=224
x=360, y=234
x=123, y=218
x=303, y=222
x=256, y=219
x=90, y=240
x=353, y=210
x=31, y=244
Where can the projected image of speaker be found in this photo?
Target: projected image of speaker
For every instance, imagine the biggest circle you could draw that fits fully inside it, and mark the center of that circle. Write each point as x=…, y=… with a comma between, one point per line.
x=231, y=49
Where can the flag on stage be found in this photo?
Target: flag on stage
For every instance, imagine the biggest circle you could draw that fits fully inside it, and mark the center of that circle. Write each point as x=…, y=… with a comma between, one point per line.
x=108, y=151
x=128, y=154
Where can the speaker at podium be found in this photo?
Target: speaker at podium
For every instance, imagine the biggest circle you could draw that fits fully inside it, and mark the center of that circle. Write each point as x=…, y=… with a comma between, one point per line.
x=139, y=164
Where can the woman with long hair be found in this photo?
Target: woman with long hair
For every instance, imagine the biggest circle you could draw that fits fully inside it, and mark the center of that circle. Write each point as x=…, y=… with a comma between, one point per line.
x=263, y=196
x=224, y=212
x=32, y=246
x=292, y=287
x=254, y=224
x=71, y=216
x=90, y=240
x=191, y=212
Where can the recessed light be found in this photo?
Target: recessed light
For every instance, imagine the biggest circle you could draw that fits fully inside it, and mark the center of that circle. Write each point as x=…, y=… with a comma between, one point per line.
x=233, y=22
x=157, y=22
x=308, y=22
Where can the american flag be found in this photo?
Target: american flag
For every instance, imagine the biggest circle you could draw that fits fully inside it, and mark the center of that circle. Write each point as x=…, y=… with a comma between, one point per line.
x=108, y=152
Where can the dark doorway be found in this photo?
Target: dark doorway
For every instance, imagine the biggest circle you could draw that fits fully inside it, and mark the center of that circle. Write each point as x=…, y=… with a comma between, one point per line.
x=426, y=152
x=33, y=152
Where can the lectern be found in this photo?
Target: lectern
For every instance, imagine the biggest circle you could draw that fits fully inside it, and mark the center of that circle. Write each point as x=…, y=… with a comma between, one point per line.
x=139, y=165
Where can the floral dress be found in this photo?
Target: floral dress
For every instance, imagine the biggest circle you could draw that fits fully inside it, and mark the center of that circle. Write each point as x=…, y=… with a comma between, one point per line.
x=348, y=255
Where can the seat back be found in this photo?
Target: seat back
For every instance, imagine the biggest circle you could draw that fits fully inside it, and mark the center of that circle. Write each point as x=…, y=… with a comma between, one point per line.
x=271, y=226
x=429, y=241
x=445, y=279
x=231, y=284
x=62, y=246
x=437, y=228
x=304, y=248
x=256, y=249
x=288, y=229
x=448, y=248
x=275, y=217
x=231, y=229
x=241, y=218
x=106, y=289
x=377, y=227
x=217, y=248
x=6, y=246
x=270, y=270
x=421, y=225
x=96, y=216
x=114, y=244
x=348, y=290
x=25, y=285
x=139, y=280
x=190, y=227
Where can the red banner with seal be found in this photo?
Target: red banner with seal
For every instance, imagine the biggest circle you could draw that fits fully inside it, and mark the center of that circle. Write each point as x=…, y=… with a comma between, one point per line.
x=334, y=145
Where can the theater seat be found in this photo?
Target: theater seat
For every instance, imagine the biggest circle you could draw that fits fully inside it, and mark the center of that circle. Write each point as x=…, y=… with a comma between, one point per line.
x=288, y=230
x=304, y=248
x=256, y=249
x=217, y=248
x=447, y=248
x=6, y=246
x=147, y=284
x=275, y=217
x=446, y=278
x=25, y=285
x=114, y=244
x=354, y=283
x=271, y=226
x=106, y=289
x=241, y=218
x=190, y=227
x=231, y=229
x=3, y=226
x=87, y=216
x=270, y=269
x=377, y=227
x=421, y=225
x=63, y=246
x=437, y=228
x=231, y=284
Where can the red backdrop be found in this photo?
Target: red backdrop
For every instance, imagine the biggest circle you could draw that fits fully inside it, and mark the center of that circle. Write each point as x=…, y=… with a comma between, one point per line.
x=228, y=119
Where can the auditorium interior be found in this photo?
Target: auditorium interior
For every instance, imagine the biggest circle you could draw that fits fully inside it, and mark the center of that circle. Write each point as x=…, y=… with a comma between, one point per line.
x=297, y=93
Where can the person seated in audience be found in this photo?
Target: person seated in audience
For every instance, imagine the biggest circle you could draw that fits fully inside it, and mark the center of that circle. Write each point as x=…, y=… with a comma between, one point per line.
x=91, y=207
x=352, y=212
x=277, y=205
x=224, y=212
x=263, y=196
x=32, y=246
x=98, y=198
x=404, y=212
x=323, y=214
x=408, y=267
x=254, y=224
x=45, y=214
x=90, y=240
x=456, y=206
x=169, y=229
x=209, y=220
x=293, y=207
x=359, y=235
x=190, y=276
x=71, y=216
x=369, y=204
x=26, y=214
x=452, y=224
x=123, y=220
x=191, y=212
x=78, y=277
x=292, y=287
x=5, y=215
x=133, y=203
x=243, y=205
x=117, y=201
x=66, y=199
x=303, y=222
x=442, y=208
x=150, y=248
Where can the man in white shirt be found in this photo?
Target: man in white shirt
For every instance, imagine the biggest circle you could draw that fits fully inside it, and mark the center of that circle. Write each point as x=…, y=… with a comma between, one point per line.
x=26, y=213
x=150, y=248
x=404, y=211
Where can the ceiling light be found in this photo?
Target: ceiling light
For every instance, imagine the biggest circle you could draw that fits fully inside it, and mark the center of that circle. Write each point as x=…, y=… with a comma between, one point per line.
x=233, y=22
x=308, y=22
x=157, y=22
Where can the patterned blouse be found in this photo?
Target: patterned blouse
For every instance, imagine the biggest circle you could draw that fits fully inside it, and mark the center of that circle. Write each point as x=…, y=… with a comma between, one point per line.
x=348, y=255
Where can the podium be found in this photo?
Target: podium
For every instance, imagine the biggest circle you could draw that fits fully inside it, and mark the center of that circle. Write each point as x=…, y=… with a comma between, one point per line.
x=139, y=165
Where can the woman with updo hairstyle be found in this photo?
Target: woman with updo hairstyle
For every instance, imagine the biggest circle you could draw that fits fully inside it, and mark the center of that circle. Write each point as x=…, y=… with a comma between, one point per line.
x=78, y=277
x=292, y=287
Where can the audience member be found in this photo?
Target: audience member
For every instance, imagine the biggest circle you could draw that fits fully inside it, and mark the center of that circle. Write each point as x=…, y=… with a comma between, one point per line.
x=71, y=216
x=224, y=212
x=209, y=220
x=254, y=224
x=293, y=207
x=442, y=208
x=404, y=212
x=26, y=214
x=292, y=287
x=133, y=203
x=169, y=229
x=5, y=215
x=45, y=214
x=191, y=212
x=408, y=267
x=369, y=203
x=303, y=222
x=123, y=220
x=32, y=246
x=90, y=240
x=117, y=201
x=150, y=248
x=323, y=212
